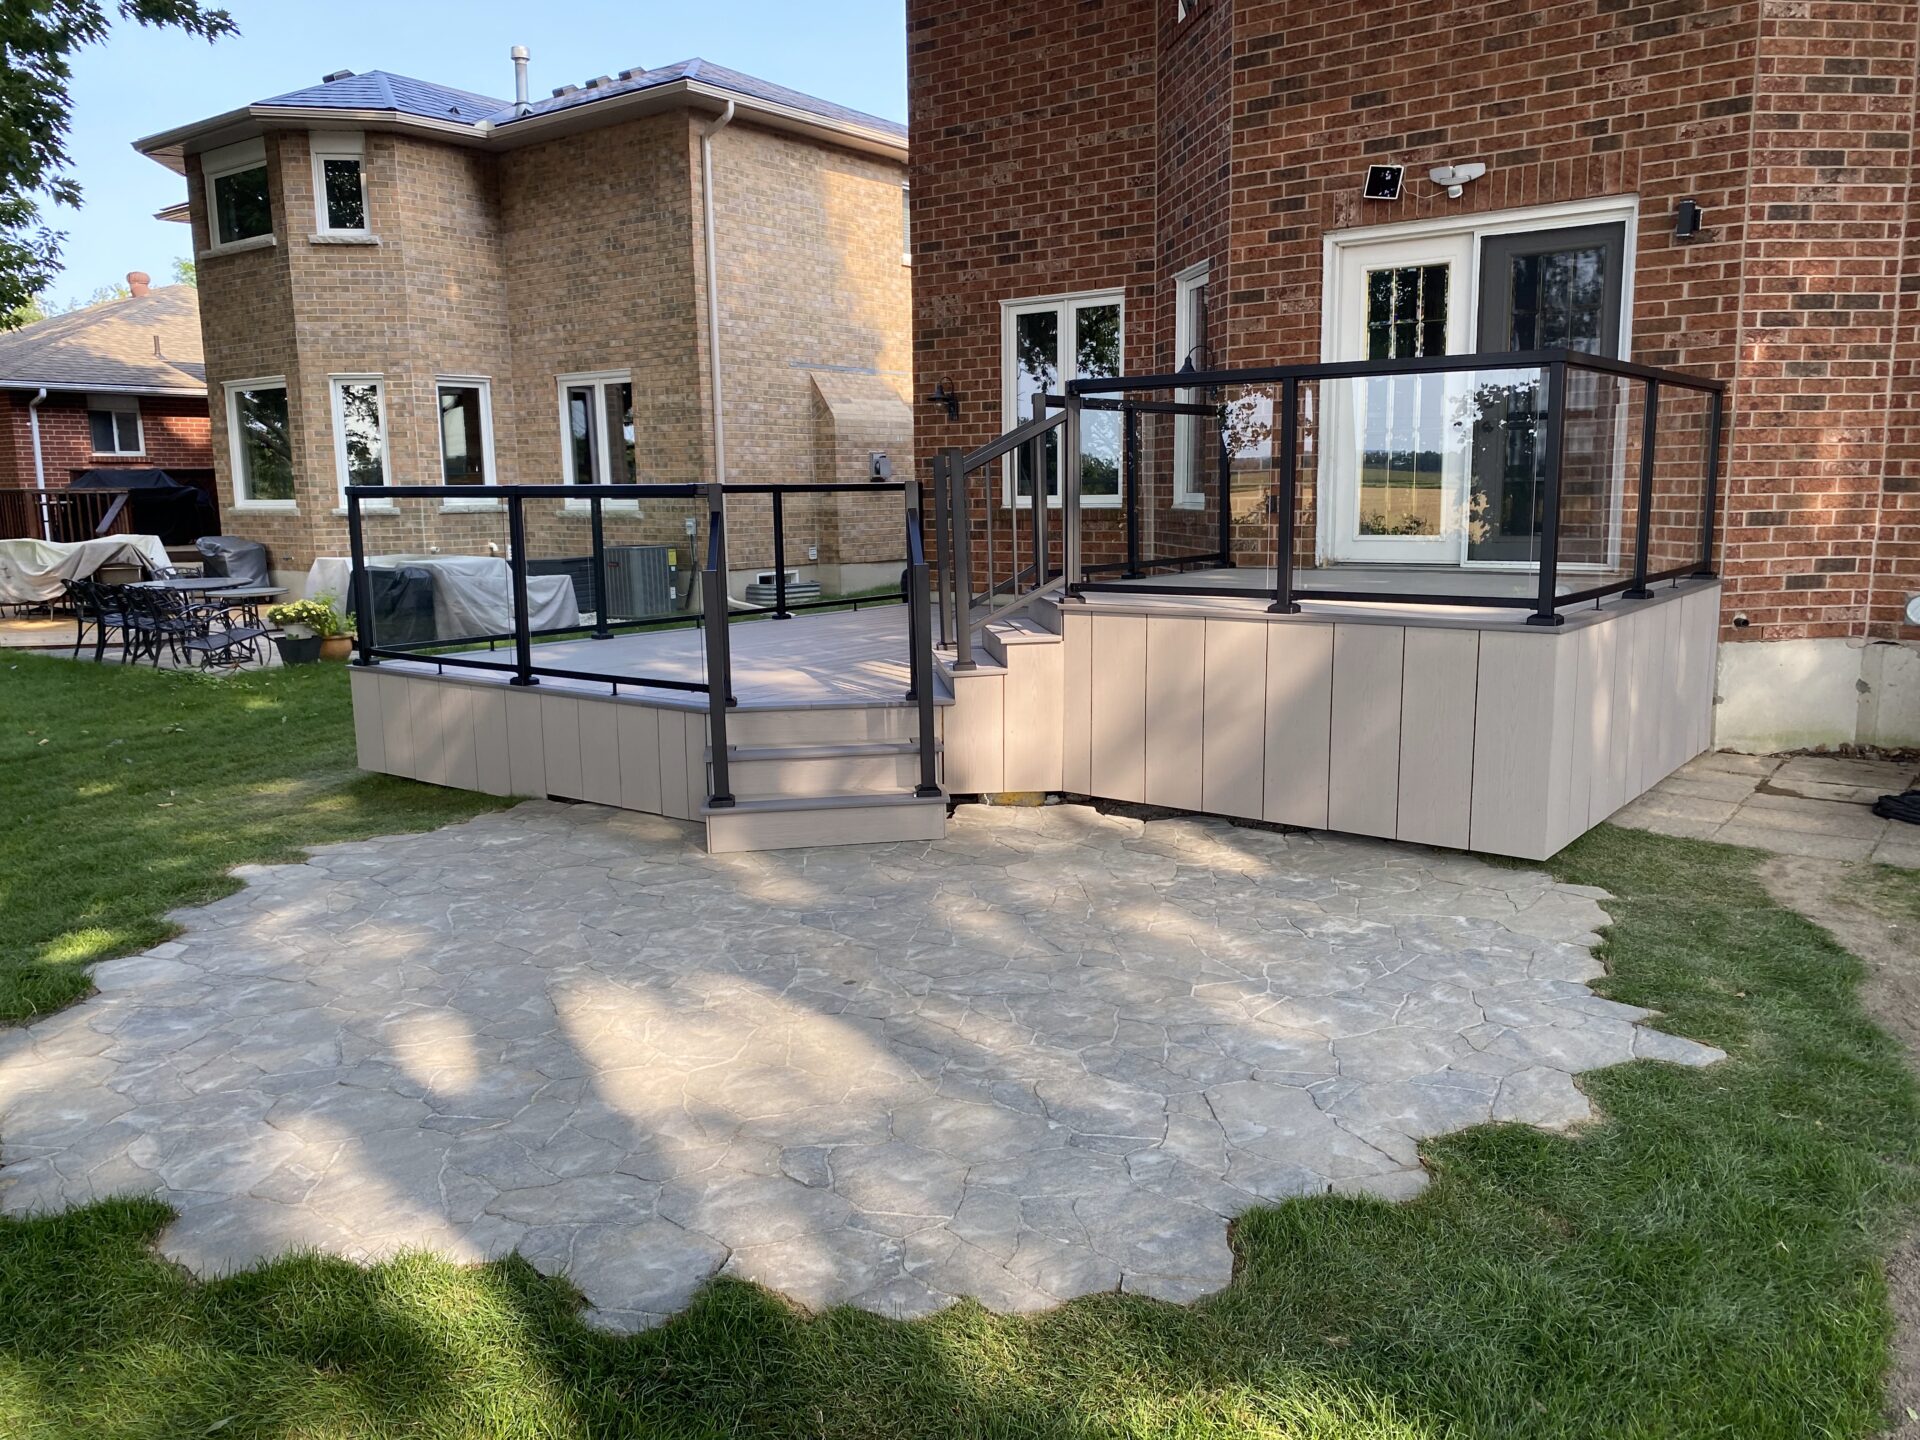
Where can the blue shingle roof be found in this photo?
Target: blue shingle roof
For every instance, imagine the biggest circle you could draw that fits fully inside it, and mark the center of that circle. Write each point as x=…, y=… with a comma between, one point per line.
x=379, y=90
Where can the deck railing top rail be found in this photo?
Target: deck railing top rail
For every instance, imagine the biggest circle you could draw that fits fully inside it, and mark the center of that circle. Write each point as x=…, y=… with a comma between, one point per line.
x=1420, y=365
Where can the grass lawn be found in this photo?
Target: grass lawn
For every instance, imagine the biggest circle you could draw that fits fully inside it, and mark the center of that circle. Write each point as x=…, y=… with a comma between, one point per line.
x=1703, y=1262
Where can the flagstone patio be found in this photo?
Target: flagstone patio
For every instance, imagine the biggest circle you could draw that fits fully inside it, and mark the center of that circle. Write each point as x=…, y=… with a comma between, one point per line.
x=1050, y=1055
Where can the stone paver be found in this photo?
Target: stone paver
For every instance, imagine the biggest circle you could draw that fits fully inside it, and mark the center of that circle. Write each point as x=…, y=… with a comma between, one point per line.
x=1816, y=806
x=1048, y=1056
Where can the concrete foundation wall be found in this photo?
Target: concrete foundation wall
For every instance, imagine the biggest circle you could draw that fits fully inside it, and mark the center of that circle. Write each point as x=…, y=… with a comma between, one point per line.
x=1814, y=694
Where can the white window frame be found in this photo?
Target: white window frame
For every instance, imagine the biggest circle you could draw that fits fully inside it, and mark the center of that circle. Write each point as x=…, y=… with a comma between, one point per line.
x=1187, y=495
x=906, y=225
x=216, y=165
x=236, y=447
x=484, y=384
x=335, y=383
x=603, y=448
x=1067, y=307
x=119, y=405
x=328, y=145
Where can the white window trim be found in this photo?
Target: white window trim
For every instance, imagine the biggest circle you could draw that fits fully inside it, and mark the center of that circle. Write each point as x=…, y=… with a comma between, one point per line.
x=1010, y=311
x=602, y=440
x=339, y=414
x=236, y=450
x=217, y=165
x=1186, y=494
x=906, y=225
x=338, y=145
x=120, y=405
x=484, y=384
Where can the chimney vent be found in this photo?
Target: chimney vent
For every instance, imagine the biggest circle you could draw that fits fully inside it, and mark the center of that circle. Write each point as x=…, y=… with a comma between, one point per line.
x=336, y=75
x=137, y=283
x=521, y=105
x=566, y=90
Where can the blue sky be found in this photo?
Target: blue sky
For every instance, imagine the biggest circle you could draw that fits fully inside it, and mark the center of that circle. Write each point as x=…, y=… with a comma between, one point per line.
x=139, y=82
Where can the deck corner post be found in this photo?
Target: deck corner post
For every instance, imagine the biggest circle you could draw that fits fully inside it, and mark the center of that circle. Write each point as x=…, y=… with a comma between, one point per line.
x=1710, y=497
x=713, y=600
x=780, y=611
x=1070, y=495
x=1130, y=480
x=1649, y=443
x=364, y=639
x=1225, y=461
x=522, y=612
x=1546, y=610
x=960, y=561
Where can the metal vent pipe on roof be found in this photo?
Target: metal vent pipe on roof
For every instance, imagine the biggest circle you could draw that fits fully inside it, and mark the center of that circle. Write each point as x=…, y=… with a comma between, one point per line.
x=521, y=104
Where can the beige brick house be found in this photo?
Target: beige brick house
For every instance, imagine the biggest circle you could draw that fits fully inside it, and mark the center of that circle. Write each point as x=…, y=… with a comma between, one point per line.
x=404, y=283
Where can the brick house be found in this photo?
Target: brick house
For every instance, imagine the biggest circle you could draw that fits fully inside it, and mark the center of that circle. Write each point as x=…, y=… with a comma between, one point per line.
x=118, y=385
x=404, y=283
x=1189, y=177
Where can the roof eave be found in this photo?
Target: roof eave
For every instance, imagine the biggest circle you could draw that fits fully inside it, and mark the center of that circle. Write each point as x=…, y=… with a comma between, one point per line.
x=171, y=147
x=90, y=387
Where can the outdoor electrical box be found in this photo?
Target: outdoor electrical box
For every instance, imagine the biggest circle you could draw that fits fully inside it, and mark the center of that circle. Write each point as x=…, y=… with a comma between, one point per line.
x=879, y=467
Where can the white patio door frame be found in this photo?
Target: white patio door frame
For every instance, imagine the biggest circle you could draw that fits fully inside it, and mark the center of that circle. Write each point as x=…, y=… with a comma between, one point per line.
x=1346, y=256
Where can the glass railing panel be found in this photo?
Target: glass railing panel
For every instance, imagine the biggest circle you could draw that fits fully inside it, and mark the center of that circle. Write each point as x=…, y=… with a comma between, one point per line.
x=1682, y=437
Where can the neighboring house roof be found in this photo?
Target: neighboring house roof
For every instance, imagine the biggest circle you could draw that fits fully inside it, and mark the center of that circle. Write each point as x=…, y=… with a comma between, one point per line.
x=718, y=76
x=110, y=346
x=378, y=90
x=379, y=99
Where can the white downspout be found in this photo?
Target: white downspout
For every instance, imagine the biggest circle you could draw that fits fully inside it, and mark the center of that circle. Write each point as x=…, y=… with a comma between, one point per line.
x=712, y=129
x=39, y=464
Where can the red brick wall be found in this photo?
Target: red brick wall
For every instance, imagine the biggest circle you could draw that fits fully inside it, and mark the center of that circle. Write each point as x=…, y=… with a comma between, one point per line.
x=1790, y=122
x=175, y=431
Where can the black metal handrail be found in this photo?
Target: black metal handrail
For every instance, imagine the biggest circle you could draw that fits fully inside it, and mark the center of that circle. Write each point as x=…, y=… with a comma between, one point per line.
x=1284, y=595
x=715, y=616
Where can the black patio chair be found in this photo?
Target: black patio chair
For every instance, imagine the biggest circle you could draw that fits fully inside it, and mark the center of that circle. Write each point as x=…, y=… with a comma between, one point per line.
x=101, y=606
x=189, y=630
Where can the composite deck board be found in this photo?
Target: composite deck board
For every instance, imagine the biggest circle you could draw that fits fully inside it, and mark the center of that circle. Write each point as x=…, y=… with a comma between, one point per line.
x=1299, y=720
x=1234, y=742
x=1076, y=732
x=492, y=756
x=1441, y=678
x=1119, y=698
x=1364, y=776
x=1175, y=712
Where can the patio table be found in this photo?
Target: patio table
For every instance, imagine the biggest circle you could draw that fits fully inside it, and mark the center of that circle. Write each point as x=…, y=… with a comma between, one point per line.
x=191, y=584
x=249, y=598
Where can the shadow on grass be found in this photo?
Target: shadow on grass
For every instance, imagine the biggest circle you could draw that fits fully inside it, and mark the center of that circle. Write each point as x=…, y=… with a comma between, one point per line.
x=1705, y=1260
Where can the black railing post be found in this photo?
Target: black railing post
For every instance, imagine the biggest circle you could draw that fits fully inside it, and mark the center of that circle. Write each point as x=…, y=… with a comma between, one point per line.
x=1225, y=461
x=1546, y=610
x=600, y=630
x=1042, y=505
x=780, y=558
x=1710, y=500
x=1130, y=471
x=1070, y=528
x=365, y=641
x=943, y=532
x=920, y=643
x=1283, y=601
x=522, y=612
x=960, y=526
x=1649, y=440
x=719, y=655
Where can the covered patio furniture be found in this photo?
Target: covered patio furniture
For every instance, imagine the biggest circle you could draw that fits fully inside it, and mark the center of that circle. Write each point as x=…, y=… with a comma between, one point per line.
x=234, y=558
x=159, y=504
x=472, y=594
x=33, y=572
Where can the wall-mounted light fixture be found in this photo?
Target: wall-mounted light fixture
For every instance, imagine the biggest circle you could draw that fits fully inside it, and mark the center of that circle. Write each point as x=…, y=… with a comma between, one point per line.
x=1686, y=219
x=945, y=394
x=1454, y=179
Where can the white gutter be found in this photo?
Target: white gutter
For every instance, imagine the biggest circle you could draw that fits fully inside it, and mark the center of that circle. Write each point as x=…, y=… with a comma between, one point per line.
x=707, y=132
x=39, y=464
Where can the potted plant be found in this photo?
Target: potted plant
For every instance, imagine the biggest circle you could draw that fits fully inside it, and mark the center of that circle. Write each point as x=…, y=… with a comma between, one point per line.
x=310, y=630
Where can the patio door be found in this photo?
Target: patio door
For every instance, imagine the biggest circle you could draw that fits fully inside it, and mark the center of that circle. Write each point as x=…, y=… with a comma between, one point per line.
x=1394, y=479
x=1539, y=290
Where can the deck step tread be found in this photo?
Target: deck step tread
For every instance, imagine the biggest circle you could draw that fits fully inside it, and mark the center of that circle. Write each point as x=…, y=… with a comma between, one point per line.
x=822, y=751
x=773, y=804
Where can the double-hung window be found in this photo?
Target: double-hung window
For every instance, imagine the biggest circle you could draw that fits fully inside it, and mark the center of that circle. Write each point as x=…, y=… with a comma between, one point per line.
x=596, y=430
x=260, y=441
x=1045, y=343
x=466, y=431
x=239, y=204
x=359, y=431
x=1193, y=438
x=113, y=422
x=339, y=184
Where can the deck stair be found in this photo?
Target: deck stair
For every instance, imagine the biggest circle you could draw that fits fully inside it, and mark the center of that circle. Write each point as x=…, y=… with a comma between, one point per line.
x=823, y=775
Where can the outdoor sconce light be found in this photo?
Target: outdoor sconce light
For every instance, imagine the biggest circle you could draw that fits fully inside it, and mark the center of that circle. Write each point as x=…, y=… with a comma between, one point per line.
x=1454, y=179
x=1686, y=219
x=945, y=394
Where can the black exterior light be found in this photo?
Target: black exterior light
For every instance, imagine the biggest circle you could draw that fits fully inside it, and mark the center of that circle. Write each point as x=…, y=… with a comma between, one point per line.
x=945, y=394
x=1686, y=219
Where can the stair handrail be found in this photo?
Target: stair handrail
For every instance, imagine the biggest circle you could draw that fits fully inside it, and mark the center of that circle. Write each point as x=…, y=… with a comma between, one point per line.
x=920, y=644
